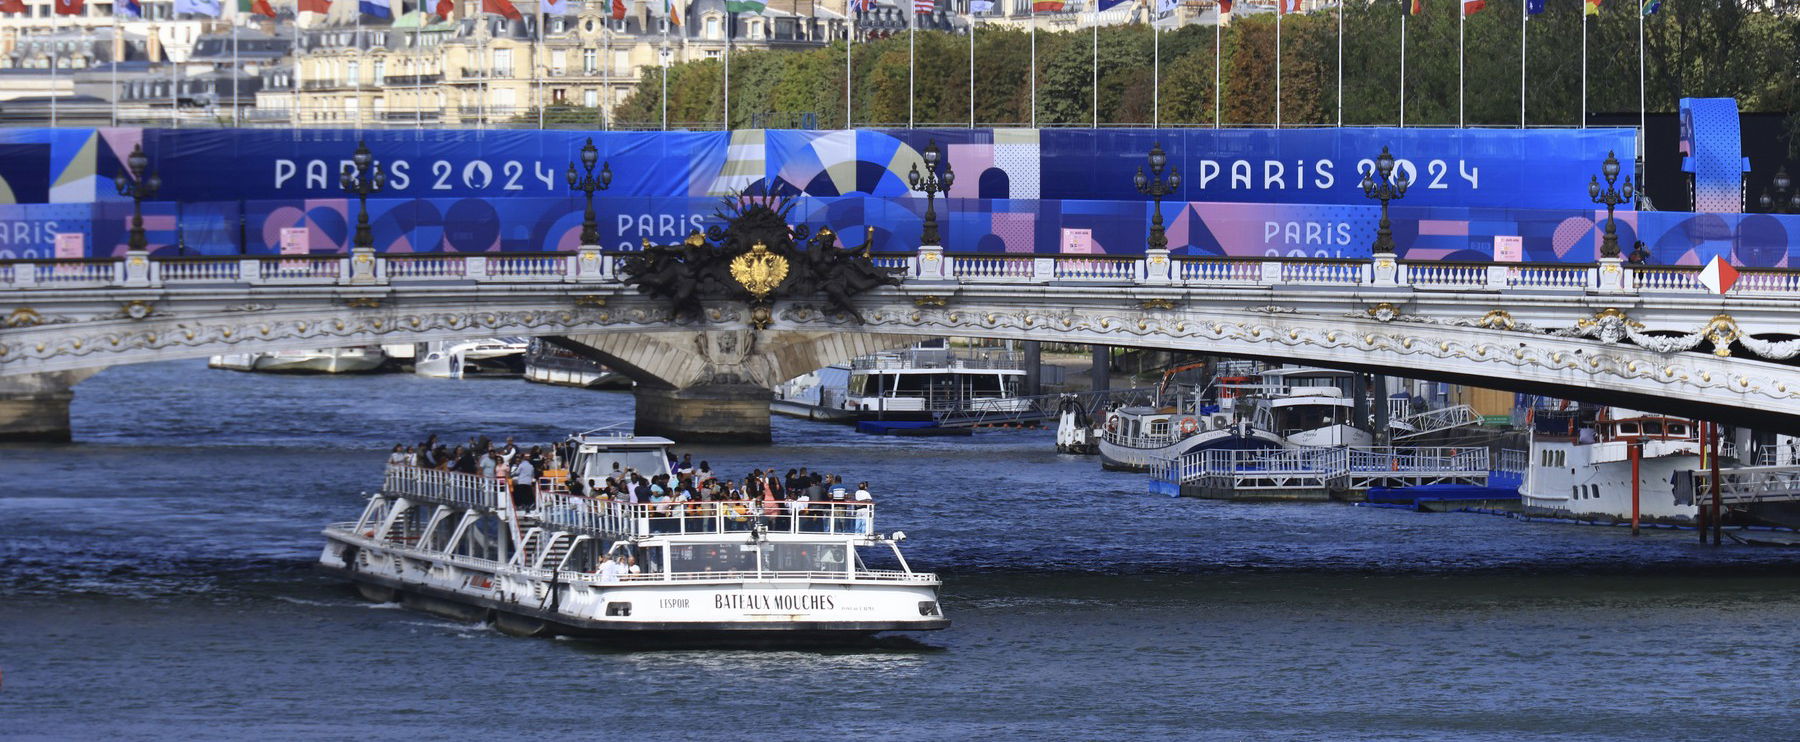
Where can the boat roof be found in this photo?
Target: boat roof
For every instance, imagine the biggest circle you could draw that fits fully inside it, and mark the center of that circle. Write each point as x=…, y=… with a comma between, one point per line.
x=601, y=441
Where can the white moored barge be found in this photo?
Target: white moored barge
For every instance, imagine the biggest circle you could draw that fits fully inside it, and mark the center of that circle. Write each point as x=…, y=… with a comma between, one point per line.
x=457, y=545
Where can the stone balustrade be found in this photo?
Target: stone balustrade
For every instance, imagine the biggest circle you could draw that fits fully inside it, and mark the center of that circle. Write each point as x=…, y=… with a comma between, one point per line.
x=929, y=266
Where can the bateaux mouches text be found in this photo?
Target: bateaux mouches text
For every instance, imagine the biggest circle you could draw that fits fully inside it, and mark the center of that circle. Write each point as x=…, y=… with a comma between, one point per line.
x=785, y=602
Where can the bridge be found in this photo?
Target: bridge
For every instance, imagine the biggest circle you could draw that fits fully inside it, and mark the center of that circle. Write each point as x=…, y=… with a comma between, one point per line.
x=1650, y=338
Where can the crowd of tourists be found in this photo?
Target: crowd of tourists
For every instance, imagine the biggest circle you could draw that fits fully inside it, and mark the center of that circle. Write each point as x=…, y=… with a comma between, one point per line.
x=507, y=462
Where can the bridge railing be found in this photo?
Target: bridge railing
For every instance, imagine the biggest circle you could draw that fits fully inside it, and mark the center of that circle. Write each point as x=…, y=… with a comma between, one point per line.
x=929, y=265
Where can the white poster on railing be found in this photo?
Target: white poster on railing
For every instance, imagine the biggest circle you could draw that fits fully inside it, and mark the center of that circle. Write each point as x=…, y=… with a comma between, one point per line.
x=69, y=246
x=294, y=241
x=1077, y=241
x=1509, y=248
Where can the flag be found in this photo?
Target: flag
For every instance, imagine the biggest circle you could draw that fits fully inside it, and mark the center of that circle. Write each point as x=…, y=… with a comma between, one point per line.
x=209, y=8
x=920, y=6
x=256, y=7
x=377, y=8
x=981, y=6
x=555, y=7
x=1050, y=6
x=1651, y=6
x=1534, y=7
x=1224, y=7
x=1471, y=7
x=443, y=9
x=18, y=6
x=501, y=8
x=1418, y=6
x=131, y=8
x=315, y=6
x=75, y=7
x=1165, y=7
x=745, y=6
x=1718, y=276
x=674, y=14
x=1590, y=7
x=618, y=10
x=1106, y=5
x=1283, y=7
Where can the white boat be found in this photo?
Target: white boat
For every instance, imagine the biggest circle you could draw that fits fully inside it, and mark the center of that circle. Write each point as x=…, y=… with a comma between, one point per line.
x=912, y=384
x=1137, y=437
x=352, y=360
x=457, y=545
x=548, y=364
x=495, y=357
x=1583, y=468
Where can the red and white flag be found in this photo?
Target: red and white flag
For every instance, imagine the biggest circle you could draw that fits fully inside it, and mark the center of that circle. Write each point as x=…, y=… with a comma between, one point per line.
x=924, y=6
x=1471, y=7
x=70, y=7
x=1283, y=7
x=1718, y=276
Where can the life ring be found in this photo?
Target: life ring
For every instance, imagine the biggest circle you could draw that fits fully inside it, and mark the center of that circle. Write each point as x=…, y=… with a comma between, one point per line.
x=1189, y=425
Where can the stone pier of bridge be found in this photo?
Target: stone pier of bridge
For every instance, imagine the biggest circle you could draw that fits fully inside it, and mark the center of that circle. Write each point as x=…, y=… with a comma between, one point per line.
x=714, y=386
x=34, y=408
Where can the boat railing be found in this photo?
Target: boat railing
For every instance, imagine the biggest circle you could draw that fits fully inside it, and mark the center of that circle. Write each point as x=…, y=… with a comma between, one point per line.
x=611, y=517
x=1323, y=466
x=444, y=487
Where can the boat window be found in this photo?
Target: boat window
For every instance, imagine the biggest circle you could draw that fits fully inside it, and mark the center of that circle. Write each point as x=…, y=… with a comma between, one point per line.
x=778, y=557
x=1628, y=429
x=859, y=385
x=712, y=558
x=982, y=385
x=1159, y=427
x=1678, y=429
x=647, y=461
x=1653, y=427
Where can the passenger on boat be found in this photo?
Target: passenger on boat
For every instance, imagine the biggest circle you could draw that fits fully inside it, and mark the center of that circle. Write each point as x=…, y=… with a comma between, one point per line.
x=609, y=569
x=485, y=465
x=398, y=457
x=524, y=478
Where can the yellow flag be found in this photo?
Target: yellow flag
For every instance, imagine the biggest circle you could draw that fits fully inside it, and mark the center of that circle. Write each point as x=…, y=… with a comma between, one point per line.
x=1590, y=7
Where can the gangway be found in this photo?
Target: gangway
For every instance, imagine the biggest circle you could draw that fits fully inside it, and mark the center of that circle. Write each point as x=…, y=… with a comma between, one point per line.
x=1039, y=408
x=1438, y=420
x=1746, y=485
x=1316, y=473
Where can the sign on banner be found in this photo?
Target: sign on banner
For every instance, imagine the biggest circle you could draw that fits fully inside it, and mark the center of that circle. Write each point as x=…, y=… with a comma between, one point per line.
x=1077, y=241
x=294, y=242
x=1509, y=248
x=69, y=246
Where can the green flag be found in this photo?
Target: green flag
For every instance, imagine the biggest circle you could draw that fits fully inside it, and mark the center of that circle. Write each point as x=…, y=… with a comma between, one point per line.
x=745, y=6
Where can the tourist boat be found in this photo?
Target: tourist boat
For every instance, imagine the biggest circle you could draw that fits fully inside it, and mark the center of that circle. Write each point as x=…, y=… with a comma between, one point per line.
x=1183, y=420
x=457, y=545
x=489, y=357
x=1313, y=407
x=1581, y=467
x=913, y=384
x=352, y=360
x=549, y=364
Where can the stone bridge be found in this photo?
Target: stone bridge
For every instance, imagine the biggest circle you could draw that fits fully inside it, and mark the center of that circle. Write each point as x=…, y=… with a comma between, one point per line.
x=1646, y=337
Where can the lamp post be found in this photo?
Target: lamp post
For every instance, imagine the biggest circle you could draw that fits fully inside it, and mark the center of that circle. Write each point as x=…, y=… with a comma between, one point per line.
x=933, y=182
x=1779, y=198
x=138, y=188
x=1611, y=197
x=1156, y=186
x=587, y=184
x=362, y=177
x=1382, y=183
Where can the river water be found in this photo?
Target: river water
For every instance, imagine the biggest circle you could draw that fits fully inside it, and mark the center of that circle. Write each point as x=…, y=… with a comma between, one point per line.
x=157, y=584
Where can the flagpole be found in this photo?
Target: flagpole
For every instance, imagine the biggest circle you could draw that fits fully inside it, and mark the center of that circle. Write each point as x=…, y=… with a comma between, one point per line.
x=1462, y=23
x=730, y=25
x=1095, y=15
x=1524, y=15
x=358, y=49
x=849, y=76
x=1340, y=63
x=55, y=57
x=912, y=18
x=1218, y=56
x=1155, y=71
x=1404, y=12
x=236, y=68
x=665, y=67
x=537, y=78
x=1030, y=4
x=294, y=110
x=1643, y=108
x=1280, y=11
x=971, y=65
x=1584, y=35
x=118, y=45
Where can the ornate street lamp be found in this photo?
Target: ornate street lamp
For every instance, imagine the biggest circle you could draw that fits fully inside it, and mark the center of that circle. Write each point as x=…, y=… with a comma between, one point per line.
x=933, y=182
x=587, y=184
x=1381, y=182
x=1156, y=186
x=1779, y=198
x=138, y=188
x=362, y=177
x=1611, y=197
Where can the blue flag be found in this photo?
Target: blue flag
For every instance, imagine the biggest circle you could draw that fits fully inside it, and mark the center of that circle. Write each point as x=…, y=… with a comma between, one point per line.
x=198, y=7
x=1110, y=4
x=1534, y=7
x=377, y=8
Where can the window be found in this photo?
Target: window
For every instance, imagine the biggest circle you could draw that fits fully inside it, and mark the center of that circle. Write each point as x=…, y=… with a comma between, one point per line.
x=503, y=98
x=380, y=72
x=559, y=61
x=621, y=62
x=352, y=72
x=589, y=60
x=712, y=27
x=590, y=97
x=503, y=62
x=557, y=96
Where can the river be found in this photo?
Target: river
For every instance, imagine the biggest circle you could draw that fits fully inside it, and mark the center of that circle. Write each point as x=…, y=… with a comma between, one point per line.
x=157, y=583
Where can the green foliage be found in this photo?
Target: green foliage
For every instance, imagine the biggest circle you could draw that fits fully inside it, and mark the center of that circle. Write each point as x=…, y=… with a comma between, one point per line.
x=1695, y=48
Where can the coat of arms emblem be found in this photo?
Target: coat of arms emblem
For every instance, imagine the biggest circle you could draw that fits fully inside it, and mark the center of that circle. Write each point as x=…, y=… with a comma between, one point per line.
x=759, y=271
